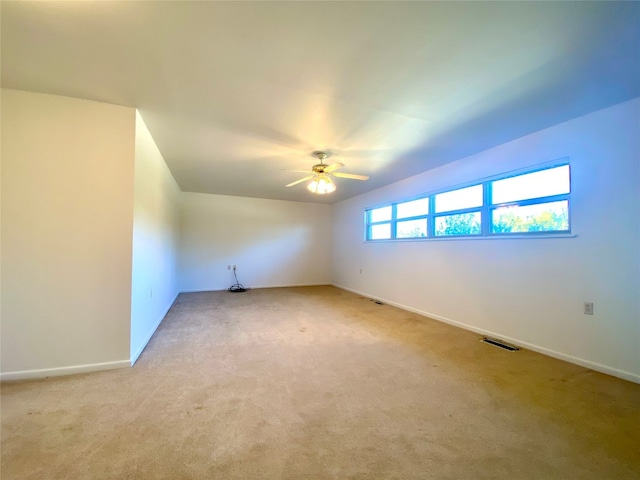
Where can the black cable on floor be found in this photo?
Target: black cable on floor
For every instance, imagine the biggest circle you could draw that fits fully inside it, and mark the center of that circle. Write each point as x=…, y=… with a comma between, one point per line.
x=237, y=287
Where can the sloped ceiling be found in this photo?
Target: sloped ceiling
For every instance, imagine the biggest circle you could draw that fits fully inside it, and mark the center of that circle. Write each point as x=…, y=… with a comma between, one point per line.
x=237, y=93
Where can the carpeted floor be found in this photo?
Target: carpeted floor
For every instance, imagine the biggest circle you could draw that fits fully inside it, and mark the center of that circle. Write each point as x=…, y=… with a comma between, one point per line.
x=319, y=383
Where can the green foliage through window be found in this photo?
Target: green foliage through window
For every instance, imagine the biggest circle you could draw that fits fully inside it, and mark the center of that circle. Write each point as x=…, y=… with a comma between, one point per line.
x=461, y=224
x=546, y=217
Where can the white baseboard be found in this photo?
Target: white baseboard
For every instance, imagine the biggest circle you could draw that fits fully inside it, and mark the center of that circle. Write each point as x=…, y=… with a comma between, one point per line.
x=293, y=285
x=615, y=372
x=136, y=355
x=256, y=287
x=203, y=291
x=57, y=372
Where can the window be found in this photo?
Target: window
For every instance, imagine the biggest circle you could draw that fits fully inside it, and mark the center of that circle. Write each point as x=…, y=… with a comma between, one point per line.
x=413, y=209
x=459, y=199
x=400, y=220
x=412, y=228
x=532, y=202
x=545, y=217
x=458, y=224
x=379, y=223
x=529, y=203
x=543, y=183
x=463, y=208
x=381, y=232
x=412, y=218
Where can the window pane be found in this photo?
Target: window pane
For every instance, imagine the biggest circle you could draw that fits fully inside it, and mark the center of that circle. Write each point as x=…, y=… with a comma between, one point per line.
x=552, y=181
x=544, y=217
x=412, y=228
x=380, y=214
x=413, y=209
x=457, y=199
x=461, y=224
x=381, y=231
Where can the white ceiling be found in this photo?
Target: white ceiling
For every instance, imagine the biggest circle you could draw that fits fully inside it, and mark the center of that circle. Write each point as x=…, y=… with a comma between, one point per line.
x=235, y=93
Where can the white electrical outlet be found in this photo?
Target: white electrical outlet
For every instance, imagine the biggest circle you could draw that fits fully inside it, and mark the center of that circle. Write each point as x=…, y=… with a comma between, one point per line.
x=588, y=308
x=228, y=267
x=234, y=267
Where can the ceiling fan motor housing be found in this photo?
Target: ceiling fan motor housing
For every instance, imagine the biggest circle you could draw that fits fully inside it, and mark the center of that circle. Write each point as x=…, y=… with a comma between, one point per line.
x=322, y=156
x=321, y=174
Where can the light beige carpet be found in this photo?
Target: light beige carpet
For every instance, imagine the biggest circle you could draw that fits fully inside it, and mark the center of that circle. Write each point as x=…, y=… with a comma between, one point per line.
x=319, y=383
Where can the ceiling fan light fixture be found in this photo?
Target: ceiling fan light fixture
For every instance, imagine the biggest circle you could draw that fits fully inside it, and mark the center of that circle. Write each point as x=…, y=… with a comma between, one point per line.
x=321, y=184
x=321, y=176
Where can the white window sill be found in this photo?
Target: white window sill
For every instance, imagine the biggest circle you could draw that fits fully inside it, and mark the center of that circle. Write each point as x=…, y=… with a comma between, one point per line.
x=474, y=238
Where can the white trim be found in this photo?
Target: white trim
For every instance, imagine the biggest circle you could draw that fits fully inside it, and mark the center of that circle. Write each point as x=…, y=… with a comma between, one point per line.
x=325, y=284
x=56, y=372
x=293, y=286
x=134, y=357
x=202, y=291
x=493, y=236
x=632, y=377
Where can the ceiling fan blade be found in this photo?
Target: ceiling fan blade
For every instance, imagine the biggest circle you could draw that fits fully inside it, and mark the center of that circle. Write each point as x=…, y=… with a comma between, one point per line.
x=300, y=181
x=297, y=171
x=333, y=166
x=352, y=176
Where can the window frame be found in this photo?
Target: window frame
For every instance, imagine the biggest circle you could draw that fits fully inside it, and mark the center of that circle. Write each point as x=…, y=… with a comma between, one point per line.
x=395, y=220
x=369, y=223
x=459, y=211
x=485, y=210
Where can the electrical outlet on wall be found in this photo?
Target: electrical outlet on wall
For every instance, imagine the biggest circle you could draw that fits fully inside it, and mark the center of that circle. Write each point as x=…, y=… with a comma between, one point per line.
x=228, y=267
x=588, y=308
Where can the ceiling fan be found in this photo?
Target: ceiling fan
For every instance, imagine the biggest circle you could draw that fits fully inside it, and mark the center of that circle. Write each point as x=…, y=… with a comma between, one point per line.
x=321, y=174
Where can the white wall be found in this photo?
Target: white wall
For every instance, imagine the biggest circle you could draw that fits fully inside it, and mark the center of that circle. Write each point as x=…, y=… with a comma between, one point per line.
x=155, y=240
x=530, y=291
x=273, y=242
x=67, y=216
